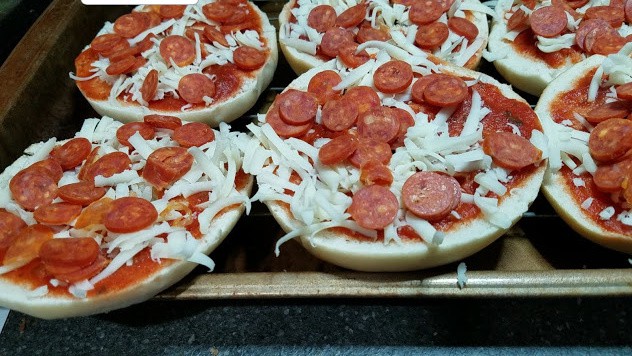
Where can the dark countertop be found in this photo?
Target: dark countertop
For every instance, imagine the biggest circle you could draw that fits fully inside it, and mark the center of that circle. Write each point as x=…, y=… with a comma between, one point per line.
x=322, y=326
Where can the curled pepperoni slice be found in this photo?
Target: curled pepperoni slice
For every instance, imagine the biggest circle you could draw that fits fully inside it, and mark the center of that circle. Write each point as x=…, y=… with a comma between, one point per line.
x=611, y=14
x=368, y=33
x=624, y=91
x=615, y=109
x=72, y=153
x=150, y=85
x=193, y=134
x=82, y=193
x=425, y=11
x=585, y=27
x=297, y=107
x=10, y=226
x=214, y=35
x=350, y=58
x=27, y=244
x=406, y=120
x=121, y=66
x=338, y=149
x=163, y=121
x=446, y=90
x=172, y=11
x=419, y=87
x=71, y=253
x=322, y=86
x=130, y=214
x=284, y=129
x=379, y=123
x=511, y=151
x=177, y=48
x=339, y=115
x=374, y=207
x=518, y=19
x=431, y=196
x=333, y=40
x=124, y=53
x=322, y=18
x=94, y=213
x=53, y=168
x=364, y=97
x=193, y=88
x=371, y=150
x=131, y=25
x=463, y=27
x=105, y=42
x=128, y=130
x=393, y=77
x=166, y=165
x=108, y=165
x=548, y=21
x=57, y=213
x=33, y=187
x=609, y=178
x=432, y=35
x=610, y=139
x=352, y=16
x=374, y=172
x=249, y=58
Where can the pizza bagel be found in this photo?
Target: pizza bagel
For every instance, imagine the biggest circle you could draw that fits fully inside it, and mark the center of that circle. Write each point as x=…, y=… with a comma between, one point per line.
x=396, y=167
x=586, y=114
x=313, y=32
x=116, y=214
x=207, y=62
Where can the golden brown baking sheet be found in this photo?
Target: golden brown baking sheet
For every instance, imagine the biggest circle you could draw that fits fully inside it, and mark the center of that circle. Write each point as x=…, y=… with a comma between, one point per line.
x=540, y=256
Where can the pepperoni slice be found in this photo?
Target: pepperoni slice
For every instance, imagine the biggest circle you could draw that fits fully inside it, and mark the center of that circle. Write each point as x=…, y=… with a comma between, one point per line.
x=214, y=35
x=425, y=11
x=364, y=97
x=510, y=151
x=610, y=139
x=284, y=129
x=153, y=18
x=548, y=21
x=249, y=58
x=33, y=187
x=172, y=11
x=322, y=18
x=350, y=58
x=10, y=226
x=368, y=33
x=82, y=193
x=130, y=214
x=146, y=43
x=177, y=48
x=322, y=86
x=605, y=42
x=94, y=213
x=615, y=109
x=124, y=53
x=352, y=16
x=371, y=150
x=72, y=153
x=420, y=85
x=194, y=87
x=72, y=253
x=431, y=196
x=463, y=27
x=432, y=35
x=191, y=32
x=609, y=178
x=393, y=77
x=77, y=275
x=166, y=165
x=128, y=130
x=57, y=213
x=624, y=91
x=374, y=172
x=406, y=120
x=238, y=16
x=628, y=11
x=611, y=14
x=562, y=4
x=193, y=134
x=297, y=107
x=106, y=42
x=92, y=157
x=374, y=207
x=218, y=11
x=121, y=66
x=27, y=244
x=338, y=149
x=518, y=19
x=446, y=90
x=163, y=121
x=585, y=27
x=576, y=4
x=339, y=115
x=150, y=85
x=379, y=123
x=108, y=165
x=54, y=169
x=333, y=40
x=131, y=25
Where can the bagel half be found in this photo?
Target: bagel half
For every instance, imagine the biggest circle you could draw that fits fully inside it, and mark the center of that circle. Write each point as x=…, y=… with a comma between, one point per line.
x=302, y=60
x=559, y=186
x=237, y=90
x=294, y=169
x=154, y=263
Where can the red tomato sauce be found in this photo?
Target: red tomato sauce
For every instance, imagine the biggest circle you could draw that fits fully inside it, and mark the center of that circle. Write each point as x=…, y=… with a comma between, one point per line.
x=525, y=45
